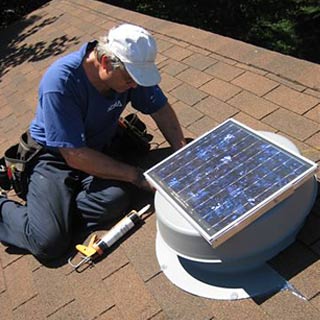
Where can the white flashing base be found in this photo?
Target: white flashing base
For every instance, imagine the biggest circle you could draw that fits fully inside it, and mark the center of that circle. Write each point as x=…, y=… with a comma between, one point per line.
x=196, y=277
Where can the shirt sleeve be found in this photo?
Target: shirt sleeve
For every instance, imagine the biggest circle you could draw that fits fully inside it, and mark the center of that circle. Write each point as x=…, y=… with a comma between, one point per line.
x=148, y=99
x=63, y=121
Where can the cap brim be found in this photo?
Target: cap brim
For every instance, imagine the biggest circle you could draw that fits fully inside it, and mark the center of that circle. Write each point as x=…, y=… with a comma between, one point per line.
x=145, y=75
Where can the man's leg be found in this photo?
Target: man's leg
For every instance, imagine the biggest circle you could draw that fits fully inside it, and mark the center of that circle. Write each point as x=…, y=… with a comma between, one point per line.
x=43, y=225
x=102, y=201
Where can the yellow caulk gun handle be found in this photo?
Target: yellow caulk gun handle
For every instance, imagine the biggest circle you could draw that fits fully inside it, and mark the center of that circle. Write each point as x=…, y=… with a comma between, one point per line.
x=88, y=250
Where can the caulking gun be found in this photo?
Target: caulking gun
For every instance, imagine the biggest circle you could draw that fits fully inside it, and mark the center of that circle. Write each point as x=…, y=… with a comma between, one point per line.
x=97, y=247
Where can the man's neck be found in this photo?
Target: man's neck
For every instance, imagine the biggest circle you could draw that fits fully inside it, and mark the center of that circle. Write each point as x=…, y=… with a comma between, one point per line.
x=91, y=68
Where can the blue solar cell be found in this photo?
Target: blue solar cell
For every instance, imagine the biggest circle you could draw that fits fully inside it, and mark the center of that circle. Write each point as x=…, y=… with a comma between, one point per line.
x=225, y=175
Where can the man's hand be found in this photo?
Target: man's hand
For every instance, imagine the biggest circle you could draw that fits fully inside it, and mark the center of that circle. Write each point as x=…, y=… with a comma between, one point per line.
x=141, y=182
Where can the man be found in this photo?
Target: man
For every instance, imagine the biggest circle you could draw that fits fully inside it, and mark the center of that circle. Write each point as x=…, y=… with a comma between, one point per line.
x=81, y=97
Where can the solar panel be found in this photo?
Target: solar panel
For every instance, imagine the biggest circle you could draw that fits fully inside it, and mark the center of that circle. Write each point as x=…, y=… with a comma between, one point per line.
x=227, y=178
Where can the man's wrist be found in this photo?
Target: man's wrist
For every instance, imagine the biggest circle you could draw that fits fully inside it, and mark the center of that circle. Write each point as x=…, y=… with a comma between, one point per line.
x=140, y=178
x=178, y=145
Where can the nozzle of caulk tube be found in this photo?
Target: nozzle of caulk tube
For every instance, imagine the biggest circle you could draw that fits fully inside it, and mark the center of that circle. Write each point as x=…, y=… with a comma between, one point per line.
x=143, y=210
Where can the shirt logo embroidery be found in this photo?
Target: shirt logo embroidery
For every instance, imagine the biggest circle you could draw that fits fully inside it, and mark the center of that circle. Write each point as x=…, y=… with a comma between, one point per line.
x=117, y=104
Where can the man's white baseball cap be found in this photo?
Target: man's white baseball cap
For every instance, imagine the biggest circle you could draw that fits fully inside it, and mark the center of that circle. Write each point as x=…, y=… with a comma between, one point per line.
x=137, y=49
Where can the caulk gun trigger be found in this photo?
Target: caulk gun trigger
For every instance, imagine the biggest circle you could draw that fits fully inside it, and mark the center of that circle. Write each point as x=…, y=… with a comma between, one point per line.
x=89, y=250
x=86, y=251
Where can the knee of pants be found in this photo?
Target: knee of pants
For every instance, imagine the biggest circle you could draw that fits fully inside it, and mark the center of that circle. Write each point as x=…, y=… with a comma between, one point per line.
x=104, y=205
x=50, y=248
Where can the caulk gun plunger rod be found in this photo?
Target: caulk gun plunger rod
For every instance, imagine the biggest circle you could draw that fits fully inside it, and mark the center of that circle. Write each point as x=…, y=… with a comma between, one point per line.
x=120, y=229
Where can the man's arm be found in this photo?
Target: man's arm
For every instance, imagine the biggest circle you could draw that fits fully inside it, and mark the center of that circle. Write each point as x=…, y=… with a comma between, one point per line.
x=168, y=124
x=100, y=165
x=97, y=164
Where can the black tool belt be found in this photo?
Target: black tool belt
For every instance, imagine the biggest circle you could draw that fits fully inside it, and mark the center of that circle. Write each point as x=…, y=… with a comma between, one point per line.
x=131, y=139
x=17, y=164
x=19, y=160
x=133, y=134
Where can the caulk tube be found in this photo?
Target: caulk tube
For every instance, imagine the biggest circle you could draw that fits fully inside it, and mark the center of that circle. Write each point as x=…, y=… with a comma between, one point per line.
x=119, y=230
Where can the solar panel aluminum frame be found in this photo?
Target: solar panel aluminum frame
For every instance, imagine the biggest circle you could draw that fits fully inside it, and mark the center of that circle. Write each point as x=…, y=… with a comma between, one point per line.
x=251, y=215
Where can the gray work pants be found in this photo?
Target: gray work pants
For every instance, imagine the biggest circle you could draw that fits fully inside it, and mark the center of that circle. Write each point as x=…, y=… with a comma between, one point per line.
x=58, y=195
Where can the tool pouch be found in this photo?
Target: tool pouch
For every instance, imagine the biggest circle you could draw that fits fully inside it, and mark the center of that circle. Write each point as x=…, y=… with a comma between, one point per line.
x=19, y=160
x=132, y=134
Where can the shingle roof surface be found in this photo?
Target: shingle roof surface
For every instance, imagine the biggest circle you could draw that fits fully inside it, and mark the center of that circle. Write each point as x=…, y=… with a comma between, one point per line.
x=208, y=78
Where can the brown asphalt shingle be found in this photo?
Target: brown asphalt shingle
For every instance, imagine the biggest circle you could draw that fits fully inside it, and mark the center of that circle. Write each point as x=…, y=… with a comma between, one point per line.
x=208, y=78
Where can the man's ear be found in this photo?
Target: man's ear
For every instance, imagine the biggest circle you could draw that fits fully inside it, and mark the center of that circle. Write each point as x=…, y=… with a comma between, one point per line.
x=106, y=63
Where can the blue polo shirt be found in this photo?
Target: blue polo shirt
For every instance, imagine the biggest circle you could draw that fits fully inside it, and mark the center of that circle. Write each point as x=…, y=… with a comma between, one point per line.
x=71, y=113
